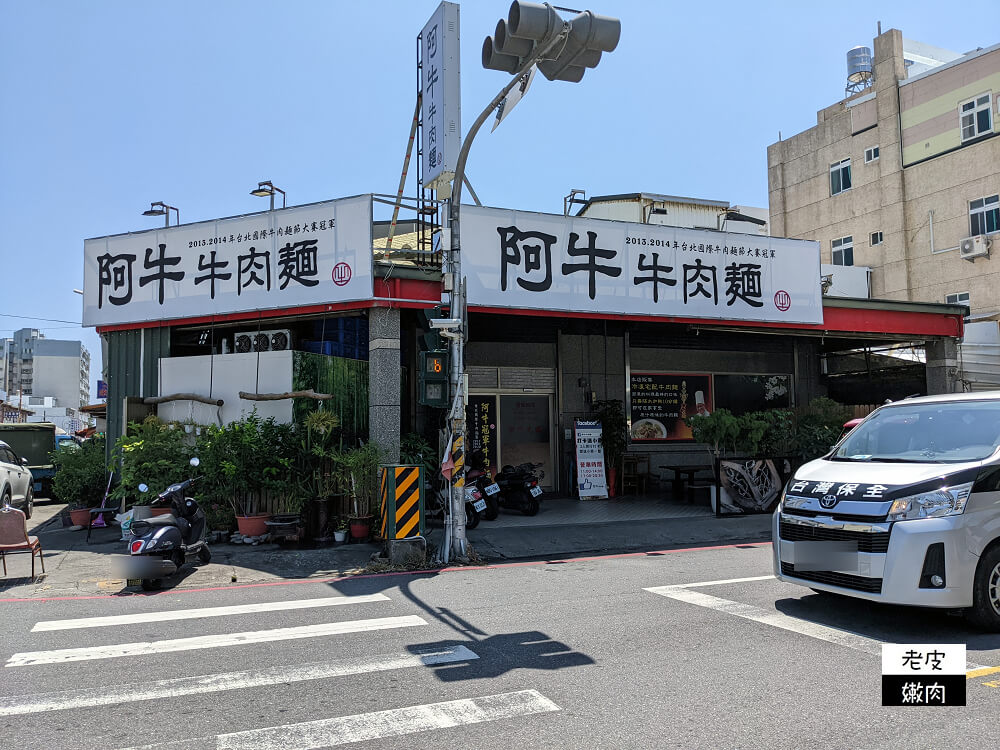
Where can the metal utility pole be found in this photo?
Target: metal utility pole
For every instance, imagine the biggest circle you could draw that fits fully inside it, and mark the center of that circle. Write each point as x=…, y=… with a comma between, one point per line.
x=533, y=34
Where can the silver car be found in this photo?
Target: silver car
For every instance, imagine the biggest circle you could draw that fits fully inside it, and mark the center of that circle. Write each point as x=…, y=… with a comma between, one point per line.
x=16, y=481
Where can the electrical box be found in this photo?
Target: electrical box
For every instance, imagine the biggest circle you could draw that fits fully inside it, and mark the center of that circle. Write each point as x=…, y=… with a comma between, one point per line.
x=432, y=380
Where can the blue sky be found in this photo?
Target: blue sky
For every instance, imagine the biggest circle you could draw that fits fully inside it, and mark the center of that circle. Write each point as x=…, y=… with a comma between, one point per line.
x=107, y=106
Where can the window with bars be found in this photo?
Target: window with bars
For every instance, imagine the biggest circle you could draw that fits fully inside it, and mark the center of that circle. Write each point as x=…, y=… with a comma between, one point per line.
x=984, y=215
x=976, y=117
x=843, y=251
x=840, y=176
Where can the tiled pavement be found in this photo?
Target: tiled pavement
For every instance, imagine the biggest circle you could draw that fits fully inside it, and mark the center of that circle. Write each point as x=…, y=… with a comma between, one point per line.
x=561, y=511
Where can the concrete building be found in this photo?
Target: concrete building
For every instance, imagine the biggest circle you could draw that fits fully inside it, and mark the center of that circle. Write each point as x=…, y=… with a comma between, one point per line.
x=49, y=367
x=899, y=175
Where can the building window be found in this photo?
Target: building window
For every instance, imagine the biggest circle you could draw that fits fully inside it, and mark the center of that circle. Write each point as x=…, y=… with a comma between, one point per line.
x=984, y=215
x=876, y=238
x=843, y=251
x=840, y=177
x=975, y=117
x=871, y=154
x=959, y=298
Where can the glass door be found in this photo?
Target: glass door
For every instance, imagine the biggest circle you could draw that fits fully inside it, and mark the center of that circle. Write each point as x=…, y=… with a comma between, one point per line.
x=526, y=432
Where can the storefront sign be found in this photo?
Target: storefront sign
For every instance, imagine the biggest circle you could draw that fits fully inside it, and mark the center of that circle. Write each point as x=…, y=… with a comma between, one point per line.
x=305, y=255
x=516, y=259
x=590, y=477
x=660, y=402
x=481, y=418
x=441, y=94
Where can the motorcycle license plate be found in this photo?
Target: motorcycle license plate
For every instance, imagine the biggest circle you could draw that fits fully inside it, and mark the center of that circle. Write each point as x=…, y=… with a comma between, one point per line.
x=492, y=489
x=535, y=491
x=479, y=505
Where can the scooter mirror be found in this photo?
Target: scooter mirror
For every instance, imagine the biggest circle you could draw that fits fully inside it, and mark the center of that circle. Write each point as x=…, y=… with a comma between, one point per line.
x=195, y=461
x=143, y=487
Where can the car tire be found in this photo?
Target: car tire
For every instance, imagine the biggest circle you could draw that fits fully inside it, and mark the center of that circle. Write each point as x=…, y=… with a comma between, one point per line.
x=29, y=504
x=6, y=499
x=985, y=610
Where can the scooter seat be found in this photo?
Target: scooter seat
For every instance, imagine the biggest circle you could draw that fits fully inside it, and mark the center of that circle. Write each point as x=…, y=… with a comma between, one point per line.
x=165, y=520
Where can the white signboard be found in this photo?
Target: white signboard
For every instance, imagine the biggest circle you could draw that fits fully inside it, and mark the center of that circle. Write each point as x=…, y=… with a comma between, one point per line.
x=590, y=478
x=307, y=255
x=517, y=259
x=441, y=105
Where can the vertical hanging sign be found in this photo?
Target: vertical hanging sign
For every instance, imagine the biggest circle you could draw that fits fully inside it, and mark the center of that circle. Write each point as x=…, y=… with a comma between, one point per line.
x=441, y=104
x=590, y=478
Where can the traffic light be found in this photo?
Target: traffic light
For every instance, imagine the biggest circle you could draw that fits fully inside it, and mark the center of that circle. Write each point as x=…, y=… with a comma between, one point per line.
x=432, y=379
x=533, y=26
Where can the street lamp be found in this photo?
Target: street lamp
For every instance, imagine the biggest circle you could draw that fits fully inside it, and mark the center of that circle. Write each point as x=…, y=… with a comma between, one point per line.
x=533, y=34
x=159, y=208
x=266, y=188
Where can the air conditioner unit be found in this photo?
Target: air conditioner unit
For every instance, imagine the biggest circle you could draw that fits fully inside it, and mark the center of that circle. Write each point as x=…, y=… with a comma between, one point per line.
x=974, y=247
x=275, y=340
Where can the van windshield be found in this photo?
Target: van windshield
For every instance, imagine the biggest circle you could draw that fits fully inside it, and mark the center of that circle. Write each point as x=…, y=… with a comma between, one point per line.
x=950, y=432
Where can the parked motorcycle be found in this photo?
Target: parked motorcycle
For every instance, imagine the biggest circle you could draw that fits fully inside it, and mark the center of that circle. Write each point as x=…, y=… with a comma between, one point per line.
x=519, y=488
x=474, y=504
x=162, y=544
x=478, y=475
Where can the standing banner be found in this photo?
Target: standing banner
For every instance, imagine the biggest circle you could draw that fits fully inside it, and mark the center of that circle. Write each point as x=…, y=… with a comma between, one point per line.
x=590, y=478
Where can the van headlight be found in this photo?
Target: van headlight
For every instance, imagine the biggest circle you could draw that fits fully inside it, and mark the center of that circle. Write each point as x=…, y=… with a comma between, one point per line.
x=947, y=501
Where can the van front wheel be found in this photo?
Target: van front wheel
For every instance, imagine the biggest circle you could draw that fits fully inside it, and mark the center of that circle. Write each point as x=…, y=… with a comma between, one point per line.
x=985, y=610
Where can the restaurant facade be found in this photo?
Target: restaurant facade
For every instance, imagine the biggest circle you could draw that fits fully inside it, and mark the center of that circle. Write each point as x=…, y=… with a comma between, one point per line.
x=201, y=320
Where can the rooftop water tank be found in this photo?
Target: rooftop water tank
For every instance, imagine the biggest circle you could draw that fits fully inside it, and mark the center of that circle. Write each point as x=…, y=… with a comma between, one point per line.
x=859, y=65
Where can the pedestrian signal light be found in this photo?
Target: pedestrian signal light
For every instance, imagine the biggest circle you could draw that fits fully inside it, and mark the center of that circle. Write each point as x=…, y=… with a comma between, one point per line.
x=433, y=379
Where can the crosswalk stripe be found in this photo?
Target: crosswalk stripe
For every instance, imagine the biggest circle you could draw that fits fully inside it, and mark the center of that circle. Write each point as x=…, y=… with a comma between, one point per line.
x=59, y=656
x=396, y=722
x=214, y=683
x=195, y=614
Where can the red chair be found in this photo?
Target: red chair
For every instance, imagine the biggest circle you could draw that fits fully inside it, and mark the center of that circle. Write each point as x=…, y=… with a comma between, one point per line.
x=14, y=538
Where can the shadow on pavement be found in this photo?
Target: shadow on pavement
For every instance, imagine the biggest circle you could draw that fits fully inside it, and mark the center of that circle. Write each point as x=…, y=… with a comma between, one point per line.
x=887, y=622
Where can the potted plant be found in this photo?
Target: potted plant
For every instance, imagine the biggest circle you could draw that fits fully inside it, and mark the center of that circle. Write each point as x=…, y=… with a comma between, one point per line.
x=614, y=437
x=359, y=469
x=340, y=533
x=81, y=478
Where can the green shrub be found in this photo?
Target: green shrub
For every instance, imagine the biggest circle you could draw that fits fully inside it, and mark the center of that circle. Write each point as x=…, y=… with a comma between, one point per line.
x=151, y=452
x=81, y=476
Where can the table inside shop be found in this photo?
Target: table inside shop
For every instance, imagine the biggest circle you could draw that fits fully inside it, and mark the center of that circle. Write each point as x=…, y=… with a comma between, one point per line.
x=684, y=478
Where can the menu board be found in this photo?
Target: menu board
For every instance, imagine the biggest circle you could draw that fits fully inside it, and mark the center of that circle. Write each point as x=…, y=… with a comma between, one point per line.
x=660, y=402
x=481, y=421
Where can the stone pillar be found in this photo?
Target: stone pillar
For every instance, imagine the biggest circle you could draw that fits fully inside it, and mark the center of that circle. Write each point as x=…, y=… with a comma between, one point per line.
x=942, y=366
x=384, y=376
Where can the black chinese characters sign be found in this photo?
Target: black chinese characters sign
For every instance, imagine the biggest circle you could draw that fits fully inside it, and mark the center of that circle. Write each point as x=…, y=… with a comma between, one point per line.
x=526, y=260
x=292, y=257
x=660, y=403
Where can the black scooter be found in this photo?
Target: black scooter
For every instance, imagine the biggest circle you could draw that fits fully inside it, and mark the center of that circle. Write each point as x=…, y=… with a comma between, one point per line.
x=478, y=475
x=162, y=544
x=519, y=488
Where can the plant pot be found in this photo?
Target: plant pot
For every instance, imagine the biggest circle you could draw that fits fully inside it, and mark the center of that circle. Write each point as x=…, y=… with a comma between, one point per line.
x=361, y=527
x=161, y=511
x=340, y=536
x=253, y=525
x=80, y=516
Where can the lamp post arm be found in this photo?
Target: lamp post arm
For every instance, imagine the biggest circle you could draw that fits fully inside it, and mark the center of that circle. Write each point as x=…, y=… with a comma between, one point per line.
x=463, y=154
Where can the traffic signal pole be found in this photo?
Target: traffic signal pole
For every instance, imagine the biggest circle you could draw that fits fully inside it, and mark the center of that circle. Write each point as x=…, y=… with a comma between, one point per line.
x=456, y=298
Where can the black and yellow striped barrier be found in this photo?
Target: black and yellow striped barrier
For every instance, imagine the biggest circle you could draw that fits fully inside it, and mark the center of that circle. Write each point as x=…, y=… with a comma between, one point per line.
x=402, y=492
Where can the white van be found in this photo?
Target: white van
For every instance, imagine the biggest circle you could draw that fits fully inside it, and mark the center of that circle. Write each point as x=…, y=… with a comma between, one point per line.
x=904, y=510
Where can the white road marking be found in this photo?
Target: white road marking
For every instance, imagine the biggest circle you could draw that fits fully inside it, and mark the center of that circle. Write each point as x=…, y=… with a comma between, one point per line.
x=396, y=722
x=112, y=651
x=681, y=592
x=213, y=683
x=194, y=614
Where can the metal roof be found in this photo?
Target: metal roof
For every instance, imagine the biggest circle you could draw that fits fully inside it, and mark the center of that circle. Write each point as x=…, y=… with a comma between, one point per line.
x=655, y=198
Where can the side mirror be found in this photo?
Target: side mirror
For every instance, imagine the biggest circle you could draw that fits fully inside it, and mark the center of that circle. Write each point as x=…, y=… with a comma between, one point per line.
x=24, y=462
x=195, y=461
x=143, y=487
